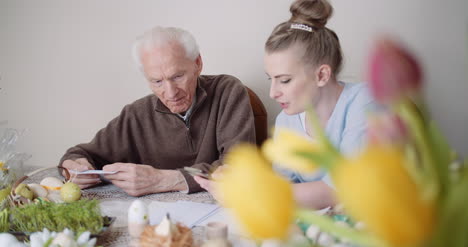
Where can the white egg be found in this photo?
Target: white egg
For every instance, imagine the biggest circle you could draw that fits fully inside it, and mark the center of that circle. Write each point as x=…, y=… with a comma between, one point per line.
x=325, y=239
x=51, y=182
x=38, y=190
x=312, y=232
x=138, y=212
x=137, y=218
x=54, y=196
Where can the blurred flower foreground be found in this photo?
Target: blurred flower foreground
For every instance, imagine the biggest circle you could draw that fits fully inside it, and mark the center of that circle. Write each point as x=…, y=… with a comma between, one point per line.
x=407, y=187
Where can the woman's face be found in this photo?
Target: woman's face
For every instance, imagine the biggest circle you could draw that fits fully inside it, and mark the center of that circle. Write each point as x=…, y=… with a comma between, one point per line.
x=293, y=83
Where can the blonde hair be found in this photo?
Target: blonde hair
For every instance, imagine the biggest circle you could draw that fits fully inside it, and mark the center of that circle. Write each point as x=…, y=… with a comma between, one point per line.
x=321, y=44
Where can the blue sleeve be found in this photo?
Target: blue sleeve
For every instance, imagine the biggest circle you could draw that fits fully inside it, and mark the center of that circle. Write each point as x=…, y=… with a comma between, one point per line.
x=354, y=136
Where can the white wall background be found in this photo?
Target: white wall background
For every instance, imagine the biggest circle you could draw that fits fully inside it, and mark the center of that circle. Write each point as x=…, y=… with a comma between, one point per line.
x=66, y=68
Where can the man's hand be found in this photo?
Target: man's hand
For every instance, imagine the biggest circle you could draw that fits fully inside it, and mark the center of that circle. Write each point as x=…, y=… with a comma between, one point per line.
x=81, y=164
x=138, y=180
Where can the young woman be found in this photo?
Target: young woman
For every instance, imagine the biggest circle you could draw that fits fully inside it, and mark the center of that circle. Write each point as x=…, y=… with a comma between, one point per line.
x=302, y=60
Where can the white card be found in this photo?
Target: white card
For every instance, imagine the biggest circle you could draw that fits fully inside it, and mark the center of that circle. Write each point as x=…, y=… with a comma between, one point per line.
x=91, y=172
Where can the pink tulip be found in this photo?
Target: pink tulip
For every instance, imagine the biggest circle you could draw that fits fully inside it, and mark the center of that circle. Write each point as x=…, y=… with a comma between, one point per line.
x=394, y=73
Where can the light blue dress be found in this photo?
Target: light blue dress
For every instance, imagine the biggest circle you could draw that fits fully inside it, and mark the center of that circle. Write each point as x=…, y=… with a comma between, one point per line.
x=346, y=127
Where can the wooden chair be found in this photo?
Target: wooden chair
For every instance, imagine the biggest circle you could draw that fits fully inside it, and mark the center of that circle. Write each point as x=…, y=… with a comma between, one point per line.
x=260, y=117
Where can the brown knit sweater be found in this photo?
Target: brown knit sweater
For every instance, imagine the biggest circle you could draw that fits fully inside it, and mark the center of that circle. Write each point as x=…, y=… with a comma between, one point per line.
x=146, y=132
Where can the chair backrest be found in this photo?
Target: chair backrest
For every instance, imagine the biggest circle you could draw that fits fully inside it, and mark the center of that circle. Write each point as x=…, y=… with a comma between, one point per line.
x=260, y=117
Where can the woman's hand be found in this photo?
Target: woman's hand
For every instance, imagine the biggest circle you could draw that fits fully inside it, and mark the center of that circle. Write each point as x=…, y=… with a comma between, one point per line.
x=211, y=185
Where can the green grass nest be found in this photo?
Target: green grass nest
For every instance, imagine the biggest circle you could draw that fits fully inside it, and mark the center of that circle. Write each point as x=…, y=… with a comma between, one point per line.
x=80, y=216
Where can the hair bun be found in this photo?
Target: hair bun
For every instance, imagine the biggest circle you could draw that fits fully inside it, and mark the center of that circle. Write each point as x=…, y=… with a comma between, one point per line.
x=314, y=13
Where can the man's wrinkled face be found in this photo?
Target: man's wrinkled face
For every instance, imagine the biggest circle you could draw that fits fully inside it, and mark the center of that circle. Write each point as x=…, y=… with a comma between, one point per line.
x=171, y=75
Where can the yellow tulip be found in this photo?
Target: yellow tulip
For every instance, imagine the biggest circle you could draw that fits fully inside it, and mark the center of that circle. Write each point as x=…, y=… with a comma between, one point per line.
x=376, y=188
x=260, y=200
x=284, y=148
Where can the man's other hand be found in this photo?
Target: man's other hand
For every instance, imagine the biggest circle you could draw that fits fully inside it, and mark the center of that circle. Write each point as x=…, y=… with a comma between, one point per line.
x=83, y=180
x=138, y=180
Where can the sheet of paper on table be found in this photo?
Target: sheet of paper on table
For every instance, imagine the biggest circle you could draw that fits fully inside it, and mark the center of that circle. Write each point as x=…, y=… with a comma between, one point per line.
x=185, y=212
x=192, y=214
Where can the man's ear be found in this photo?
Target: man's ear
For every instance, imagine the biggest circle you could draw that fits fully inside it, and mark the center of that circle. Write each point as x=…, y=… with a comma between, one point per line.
x=323, y=74
x=199, y=64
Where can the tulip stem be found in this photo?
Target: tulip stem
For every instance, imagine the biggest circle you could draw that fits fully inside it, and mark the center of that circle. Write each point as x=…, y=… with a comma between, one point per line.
x=423, y=138
x=326, y=224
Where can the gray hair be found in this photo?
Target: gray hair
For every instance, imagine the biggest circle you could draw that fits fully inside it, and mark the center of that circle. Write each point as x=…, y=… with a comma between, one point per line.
x=163, y=35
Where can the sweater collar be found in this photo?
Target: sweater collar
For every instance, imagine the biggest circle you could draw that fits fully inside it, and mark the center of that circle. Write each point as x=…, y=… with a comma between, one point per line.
x=200, y=95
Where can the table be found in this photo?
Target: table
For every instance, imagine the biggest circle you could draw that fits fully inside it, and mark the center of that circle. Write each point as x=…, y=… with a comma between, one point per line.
x=115, y=202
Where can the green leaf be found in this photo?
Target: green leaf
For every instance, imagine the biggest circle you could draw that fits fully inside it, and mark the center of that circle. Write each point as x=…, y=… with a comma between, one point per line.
x=453, y=218
x=324, y=159
x=442, y=149
x=4, y=223
x=442, y=154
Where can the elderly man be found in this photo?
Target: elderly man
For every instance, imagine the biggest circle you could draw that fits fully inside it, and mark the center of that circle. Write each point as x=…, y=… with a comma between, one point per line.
x=191, y=120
